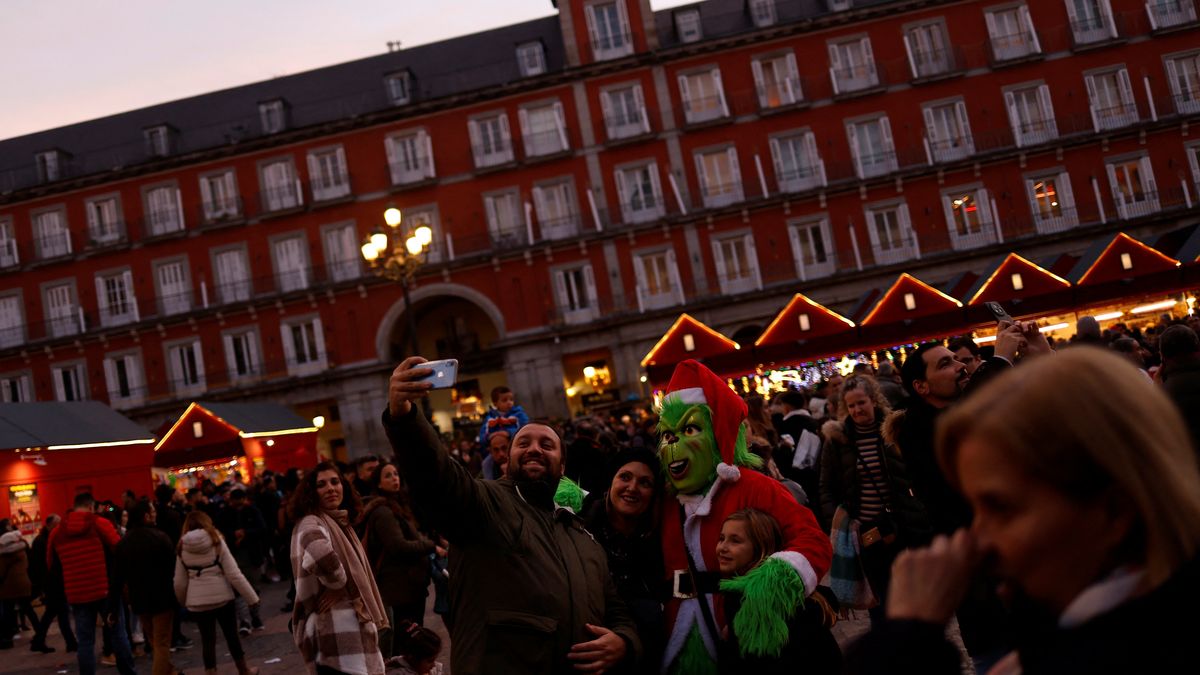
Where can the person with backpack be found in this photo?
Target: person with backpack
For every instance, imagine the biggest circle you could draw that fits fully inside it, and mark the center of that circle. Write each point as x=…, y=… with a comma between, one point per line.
x=206, y=576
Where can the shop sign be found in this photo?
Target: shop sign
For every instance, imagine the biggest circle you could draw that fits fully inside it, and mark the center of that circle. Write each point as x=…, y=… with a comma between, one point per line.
x=25, y=507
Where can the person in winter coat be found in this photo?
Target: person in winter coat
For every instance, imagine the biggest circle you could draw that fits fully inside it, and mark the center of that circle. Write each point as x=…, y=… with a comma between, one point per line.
x=48, y=583
x=206, y=576
x=338, y=613
x=145, y=561
x=82, y=544
x=14, y=583
x=398, y=552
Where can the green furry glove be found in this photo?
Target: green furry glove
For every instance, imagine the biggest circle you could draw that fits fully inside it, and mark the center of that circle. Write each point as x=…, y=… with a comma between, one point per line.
x=569, y=495
x=771, y=593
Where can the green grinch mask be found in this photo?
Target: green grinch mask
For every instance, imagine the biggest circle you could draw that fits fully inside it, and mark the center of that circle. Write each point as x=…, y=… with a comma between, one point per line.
x=687, y=448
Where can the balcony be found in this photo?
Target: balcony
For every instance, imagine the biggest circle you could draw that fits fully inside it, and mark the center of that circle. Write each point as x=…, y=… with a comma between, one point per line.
x=872, y=164
x=560, y=227
x=658, y=297
x=898, y=250
x=281, y=198
x=1014, y=47
x=120, y=313
x=612, y=46
x=329, y=188
x=296, y=279
x=110, y=234
x=545, y=143
x=510, y=238
x=780, y=94
x=950, y=150
x=643, y=209
x=703, y=109
x=968, y=236
x=854, y=79
x=1050, y=220
x=1186, y=102
x=740, y=281
x=179, y=302
x=804, y=177
x=347, y=270
x=218, y=211
x=9, y=253
x=68, y=322
x=815, y=265
x=55, y=245
x=415, y=171
x=1138, y=204
x=627, y=125
x=721, y=194
x=1035, y=132
x=1093, y=30
x=163, y=222
x=491, y=155
x=1165, y=14
x=1114, y=117
x=935, y=63
x=13, y=336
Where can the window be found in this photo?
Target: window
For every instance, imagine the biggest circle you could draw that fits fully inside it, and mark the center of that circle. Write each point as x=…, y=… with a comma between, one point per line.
x=1111, y=98
x=575, y=288
x=232, y=275
x=304, y=346
x=639, y=192
x=657, y=280
x=164, y=210
x=890, y=231
x=12, y=321
x=174, y=288
x=928, y=50
x=812, y=248
x=399, y=88
x=272, y=116
x=52, y=237
x=219, y=196
x=241, y=354
x=115, y=298
x=737, y=264
x=852, y=66
x=1011, y=34
x=608, y=30
x=531, y=58
x=426, y=216
x=624, y=112
x=687, y=25
x=798, y=164
x=410, y=157
x=124, y=381
x=1031, y=114
x=1183, y=73
x=9, y=251
x=291, y=263
x=327, y=175
x=543, y=129
x=342, y=252
x=776, y=80
x=491, y=143
x=719, y=176
x=762, y=13
x=1091, y=21
x=1133, y=187
x=948, y=131
x=70, y=382
x=871, y=146
x=185, y=368
x=49, y=166
x=703, y=97
x=105, y=225
x=1168, y=13
x=839, y=5
x=557, y=214
x=158, y=140
x=14, y=388
x=505, y=219
x=969, y=217
x=280, y=187
x=1052, y=202
x=63, y=316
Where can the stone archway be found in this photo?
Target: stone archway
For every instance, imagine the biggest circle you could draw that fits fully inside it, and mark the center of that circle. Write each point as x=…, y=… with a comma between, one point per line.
x=389, y=321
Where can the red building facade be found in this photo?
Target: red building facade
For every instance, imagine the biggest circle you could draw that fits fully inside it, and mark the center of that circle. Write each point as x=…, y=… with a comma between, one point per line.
x=588, y=177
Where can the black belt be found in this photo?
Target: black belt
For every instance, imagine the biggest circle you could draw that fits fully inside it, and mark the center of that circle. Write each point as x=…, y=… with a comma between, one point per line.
x=685, y=585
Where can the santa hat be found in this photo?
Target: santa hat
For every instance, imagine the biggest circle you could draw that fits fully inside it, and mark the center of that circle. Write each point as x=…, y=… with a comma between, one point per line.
x=695, y=384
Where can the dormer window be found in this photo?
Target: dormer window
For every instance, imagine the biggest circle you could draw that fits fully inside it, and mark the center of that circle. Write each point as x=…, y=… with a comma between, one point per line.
x=158, y=140
x=272, y=116
x=687, y=25
x=399, y=87
x=762, y=13
x=531, y=58
x=49, y=165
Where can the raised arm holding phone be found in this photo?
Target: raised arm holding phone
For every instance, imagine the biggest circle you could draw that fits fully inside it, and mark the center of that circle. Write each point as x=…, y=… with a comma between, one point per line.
x=531, y=591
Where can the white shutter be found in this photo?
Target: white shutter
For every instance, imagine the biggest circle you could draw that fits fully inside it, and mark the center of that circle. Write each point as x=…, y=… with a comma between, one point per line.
x=389, y=145
x=885, y=128
x=593, y=32
x=316, y=180
x=93, y=222
x=622, y=191
x=656, y=186
x=752, y=257
x=523, y=121
x=102, y=301
x=206, y=196
x=1014, y=117
x=835, y=59
x=1173, y=78
x=912, y=63
x=111, y=382
x=56, y=374
x=493, y=218
x=702, y=174
x=231, y=190
x=907, y=230
x=1107, y=13
x=198, y=352
x=719, y=261
x=716, y=78
x=777, y=160
x=1126, y=89
x=814, y=155
x=1033, y=36
x=759, y=85
x=319, y=334
x=1193, y=155
x=340, y=156
x=1047, y=108
x=984, y=202
x=289, y=347
x=797, y=251
x=130, y=296
x=560, y=290
x=930, y=128
x=673, y=270
x=868, y=57
x=589, y=279
x=627, y=35
x=792, y=83
x=1072, y=16
x=639, y=274
x=607, y=112
x=230, y=358
x=685, y=96
x=133, y=373
x=1066, y=196
x=964, y=124
x=179, y=208
x=426, y=142
x=560, y=119
x=854, y=150
x=1118, y=197
x=476, y=141
x=640, y=100
x=948, y=212
x=539, y=205
x=506, y=135
x=1148, y=177
x=735, y=171
x=993, y=31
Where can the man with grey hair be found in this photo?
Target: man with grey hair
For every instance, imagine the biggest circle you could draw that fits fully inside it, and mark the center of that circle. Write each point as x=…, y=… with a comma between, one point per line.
x=1179, y=348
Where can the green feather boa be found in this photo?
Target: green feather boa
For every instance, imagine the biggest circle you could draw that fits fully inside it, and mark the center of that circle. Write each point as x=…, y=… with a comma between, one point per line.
x=771, y=592
x=569, y=495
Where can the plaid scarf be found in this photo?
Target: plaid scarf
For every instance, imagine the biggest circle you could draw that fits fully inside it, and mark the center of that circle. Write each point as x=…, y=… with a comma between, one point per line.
x=846, y=576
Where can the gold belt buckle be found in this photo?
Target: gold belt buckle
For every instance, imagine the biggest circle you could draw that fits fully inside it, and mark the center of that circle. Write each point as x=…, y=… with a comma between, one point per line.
x=675, y=592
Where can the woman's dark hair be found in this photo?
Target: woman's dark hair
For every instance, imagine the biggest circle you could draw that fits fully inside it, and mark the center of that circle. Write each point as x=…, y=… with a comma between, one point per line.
x=399, y=500
x=137, y=513
x=305, y=501
x=650, y=459
x=419, y=643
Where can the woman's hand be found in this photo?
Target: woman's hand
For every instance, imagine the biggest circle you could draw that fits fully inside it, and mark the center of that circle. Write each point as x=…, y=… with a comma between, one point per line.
x=404, y=386
x=928, y=584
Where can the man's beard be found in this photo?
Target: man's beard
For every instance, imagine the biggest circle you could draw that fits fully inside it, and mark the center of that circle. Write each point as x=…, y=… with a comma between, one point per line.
x=537, y=491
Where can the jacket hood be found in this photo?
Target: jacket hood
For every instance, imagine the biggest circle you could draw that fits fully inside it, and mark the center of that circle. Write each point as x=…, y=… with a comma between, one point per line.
x=78, y=523
x=890, y=430
x=197, y=542
x=835, y=431
x=11, y=542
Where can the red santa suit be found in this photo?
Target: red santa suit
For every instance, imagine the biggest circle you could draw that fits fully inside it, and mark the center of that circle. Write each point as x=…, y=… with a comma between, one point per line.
x=806, y=546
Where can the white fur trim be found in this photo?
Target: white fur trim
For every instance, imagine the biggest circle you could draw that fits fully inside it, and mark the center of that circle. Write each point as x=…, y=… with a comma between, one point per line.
x=799, y=563
x=691, y=395
x=729, y=472
x=689, y=615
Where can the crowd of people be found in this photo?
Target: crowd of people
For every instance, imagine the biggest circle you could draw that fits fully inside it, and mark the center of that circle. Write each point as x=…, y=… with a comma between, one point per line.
x=1047, y=497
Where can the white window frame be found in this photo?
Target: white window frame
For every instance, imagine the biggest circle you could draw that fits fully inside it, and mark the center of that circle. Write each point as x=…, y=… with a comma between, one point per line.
x=49, y=165
x=848, y=77
x=410, y=156
x=652, y=206
x=219, y=197
x=51, y=233
x=1009, y=46
x=687, y=25
x=501, y=207
x=784, y=89
x=182, y=382
x=1045, y=219
x=714, y=106
x=281, y=189
x=617, y=123
x=173, y=286
x=272, y=116
x=556, y=208
x=340, y=242
x=158, y=140
x=1163, y=15
x=811, y=266
x=10, y=251
x=135, y=380
x=718, y=191
x=328, y=177
x=929, y=49
x=531, y=58
x=1091, y=29
x=610, y=45
x=311, y=357
x=70, y=381
x=486, y=150
x=809, y=171
x=231, y=290
x=115, y=298
x=938, y=148
x=670, y=296
x=248, y=338
x=749, y=279
x=12, y=319
x=904, y=249
x=16, y=387
x=290, y=260
x=1186, y=98
x=63, y=315
x=573, y=284
x=762, y=13
x=1127, y=207
x=105, y=221
x=164, y=210
x=542, y=143
x=968, y=235
x=872, y=162
x=399, y=87
x=1026, y=130
x=1111, y=115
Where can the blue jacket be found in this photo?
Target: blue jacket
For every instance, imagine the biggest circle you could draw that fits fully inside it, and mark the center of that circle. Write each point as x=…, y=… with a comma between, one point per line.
x=494, y=420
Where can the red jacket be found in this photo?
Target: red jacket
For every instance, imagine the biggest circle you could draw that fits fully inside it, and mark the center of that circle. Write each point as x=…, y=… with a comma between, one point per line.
x=80, y=543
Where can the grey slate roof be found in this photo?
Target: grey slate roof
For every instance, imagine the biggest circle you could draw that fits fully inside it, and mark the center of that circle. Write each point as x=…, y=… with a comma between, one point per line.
x=33, y=425
x=257, y=417
x=343, y=91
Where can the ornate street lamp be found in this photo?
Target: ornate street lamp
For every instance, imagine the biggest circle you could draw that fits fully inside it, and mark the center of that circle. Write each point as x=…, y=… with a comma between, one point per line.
x=395, y=254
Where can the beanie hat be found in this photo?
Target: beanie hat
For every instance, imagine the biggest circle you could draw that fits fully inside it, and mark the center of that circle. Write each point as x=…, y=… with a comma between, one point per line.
x=695, y=384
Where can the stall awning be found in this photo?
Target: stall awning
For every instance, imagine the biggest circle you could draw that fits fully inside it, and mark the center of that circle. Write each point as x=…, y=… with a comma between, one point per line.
x=211, y=431
x=803, y=319
x=67, y=426
x=1014, y=278
x=1123, y=257
x=688, y=338
x=909, y=298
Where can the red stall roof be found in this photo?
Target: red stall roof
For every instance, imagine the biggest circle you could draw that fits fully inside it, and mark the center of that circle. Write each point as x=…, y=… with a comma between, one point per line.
x=1121, y=258
x=909, y=298
x=802, y=319
x=222, y=426
x=1015, y=277
x=688, y=338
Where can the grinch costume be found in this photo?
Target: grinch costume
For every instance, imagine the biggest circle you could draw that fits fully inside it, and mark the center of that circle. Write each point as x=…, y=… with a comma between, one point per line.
x=711, y=474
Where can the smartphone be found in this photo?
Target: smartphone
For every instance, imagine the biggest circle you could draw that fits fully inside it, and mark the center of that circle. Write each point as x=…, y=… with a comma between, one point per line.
x=998, y=312
x=443, y=375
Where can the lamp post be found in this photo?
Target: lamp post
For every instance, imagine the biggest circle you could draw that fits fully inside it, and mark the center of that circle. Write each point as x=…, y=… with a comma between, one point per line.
x=396, y=255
